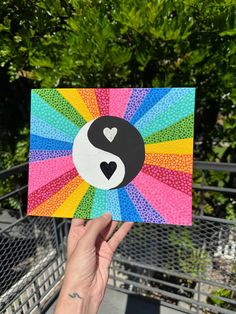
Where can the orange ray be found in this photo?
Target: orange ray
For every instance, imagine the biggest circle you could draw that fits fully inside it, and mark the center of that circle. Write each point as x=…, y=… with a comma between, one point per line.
x=176, y=162
x=48, y=207
x=89, y=97
x=75, y=99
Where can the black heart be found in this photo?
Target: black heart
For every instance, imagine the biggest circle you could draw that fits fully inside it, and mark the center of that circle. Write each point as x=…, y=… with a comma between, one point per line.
x=108, y=169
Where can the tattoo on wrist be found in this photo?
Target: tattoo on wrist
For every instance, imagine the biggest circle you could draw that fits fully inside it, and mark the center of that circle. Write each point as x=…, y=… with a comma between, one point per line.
x=75, y=295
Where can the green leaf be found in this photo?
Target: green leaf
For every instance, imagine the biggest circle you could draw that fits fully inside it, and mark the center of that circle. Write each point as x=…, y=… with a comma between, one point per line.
x=230, y=32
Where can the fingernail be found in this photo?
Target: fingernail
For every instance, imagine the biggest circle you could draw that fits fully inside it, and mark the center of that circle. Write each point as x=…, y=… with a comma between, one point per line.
x=107, y=216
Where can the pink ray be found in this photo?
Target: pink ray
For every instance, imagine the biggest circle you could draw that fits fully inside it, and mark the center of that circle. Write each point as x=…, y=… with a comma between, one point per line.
x=42, y=172
x=119, y=98
x=102, y=95
x=173, y=205
x=45, y=192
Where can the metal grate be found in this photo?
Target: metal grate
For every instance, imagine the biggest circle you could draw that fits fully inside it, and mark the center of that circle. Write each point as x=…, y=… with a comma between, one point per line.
x=193, y=269
x=31, y=263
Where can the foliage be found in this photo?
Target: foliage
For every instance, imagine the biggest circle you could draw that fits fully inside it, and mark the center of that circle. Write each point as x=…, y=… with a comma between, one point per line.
x=221, y=292
x=191, y=258
x=92, y=43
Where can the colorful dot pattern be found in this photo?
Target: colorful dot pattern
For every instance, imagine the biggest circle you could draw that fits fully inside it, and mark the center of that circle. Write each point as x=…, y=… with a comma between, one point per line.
x=136, y=98
x=54, y=99
x=85, y=206
x=176, y=162
x=103, y=98
x=89, y=97
x=42, y=110
x=37, y=155
x=161, y=193
x=46, y=191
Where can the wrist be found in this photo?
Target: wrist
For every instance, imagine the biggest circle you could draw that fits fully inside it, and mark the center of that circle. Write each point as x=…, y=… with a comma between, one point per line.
x=73, y=302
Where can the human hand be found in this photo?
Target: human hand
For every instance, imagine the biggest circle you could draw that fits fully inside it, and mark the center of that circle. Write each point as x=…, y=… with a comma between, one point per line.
x=90, y=250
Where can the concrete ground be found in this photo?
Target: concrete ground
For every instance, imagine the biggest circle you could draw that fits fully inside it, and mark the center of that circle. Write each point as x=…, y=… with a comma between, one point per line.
x=116, y=302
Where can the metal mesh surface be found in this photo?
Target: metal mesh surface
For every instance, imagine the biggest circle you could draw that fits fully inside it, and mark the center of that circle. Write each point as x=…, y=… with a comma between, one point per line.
x=183, y=266
x=193, y=269
x=26, y=248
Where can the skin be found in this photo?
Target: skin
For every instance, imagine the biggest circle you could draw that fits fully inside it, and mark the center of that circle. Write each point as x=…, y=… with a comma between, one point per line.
x=90, y=250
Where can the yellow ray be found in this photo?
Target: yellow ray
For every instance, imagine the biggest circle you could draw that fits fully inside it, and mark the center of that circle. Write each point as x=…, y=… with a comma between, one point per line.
x=184, y=146
x=68, y=208
x=75, y=99
x=89, y=97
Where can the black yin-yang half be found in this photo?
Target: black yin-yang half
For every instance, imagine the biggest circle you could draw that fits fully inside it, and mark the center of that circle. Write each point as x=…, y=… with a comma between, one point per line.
x=108, y=152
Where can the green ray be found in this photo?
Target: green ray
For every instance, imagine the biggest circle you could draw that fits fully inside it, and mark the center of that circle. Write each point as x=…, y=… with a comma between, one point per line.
x=55, y=100
x=85, y=206
x=180, y=130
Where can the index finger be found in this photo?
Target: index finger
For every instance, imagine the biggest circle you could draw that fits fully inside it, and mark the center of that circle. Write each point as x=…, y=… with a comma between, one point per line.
x=119, y=235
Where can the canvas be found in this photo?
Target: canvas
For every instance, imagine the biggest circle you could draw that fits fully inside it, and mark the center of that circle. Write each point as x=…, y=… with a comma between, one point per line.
x=127, y=151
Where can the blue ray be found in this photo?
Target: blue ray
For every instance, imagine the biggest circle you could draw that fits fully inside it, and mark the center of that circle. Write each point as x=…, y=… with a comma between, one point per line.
x=128, y=211
x=153, y=97
x=42, y=143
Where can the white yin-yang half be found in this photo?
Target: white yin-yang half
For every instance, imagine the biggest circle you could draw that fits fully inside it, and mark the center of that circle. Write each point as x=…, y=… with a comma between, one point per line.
x=87, y=160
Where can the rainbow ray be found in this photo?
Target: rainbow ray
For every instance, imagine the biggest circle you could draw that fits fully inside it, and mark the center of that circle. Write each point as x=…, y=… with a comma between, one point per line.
x=59, y=103
x=113, y=204
x=161, y=117
x=99, y=203
x=128, y=210
x=54, y=168
x=176, y=162
x=37, y=155
x=152, y=99
x=54, y=204
x=136, y=98
x=176, y=179
x=103, y=99
x=172, y=132
x=43, y=129
x=43, y=143
x=85, y=206
x=39, y=196
x=182, y=147
x=89, y=97
x=145, y=210
x=42, y=110
x=174, y=206
x=73, y=97
x=70, y=204
x=119, y=98
x=172, y=98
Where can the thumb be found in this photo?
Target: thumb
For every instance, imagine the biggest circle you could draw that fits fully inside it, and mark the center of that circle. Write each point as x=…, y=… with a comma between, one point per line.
x=95, y=228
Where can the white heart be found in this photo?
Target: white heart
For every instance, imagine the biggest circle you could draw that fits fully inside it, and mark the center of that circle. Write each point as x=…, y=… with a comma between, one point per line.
x=110, y=134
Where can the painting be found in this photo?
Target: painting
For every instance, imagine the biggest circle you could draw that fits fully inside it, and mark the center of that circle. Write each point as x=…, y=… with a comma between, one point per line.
x=127, y=151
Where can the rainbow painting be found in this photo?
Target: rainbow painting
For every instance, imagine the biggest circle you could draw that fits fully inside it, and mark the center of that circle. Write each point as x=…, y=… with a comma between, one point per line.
x=127, y=151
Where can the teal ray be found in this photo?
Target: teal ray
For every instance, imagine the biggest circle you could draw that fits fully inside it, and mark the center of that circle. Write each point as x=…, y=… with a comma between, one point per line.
x=43, y=129
x=113, y=204
x=171, y=100
x=179, y=110
x=99, y=203
x=40, y=109
x=60, y=104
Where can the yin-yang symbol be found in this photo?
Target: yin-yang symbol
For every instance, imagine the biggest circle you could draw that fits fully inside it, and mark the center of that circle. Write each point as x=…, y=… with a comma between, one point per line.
x=108, y=152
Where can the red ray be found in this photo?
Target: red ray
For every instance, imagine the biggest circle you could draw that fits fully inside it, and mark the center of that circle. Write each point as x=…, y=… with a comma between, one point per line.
x=45, y=192
x=176, y=179
x=103, y=99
